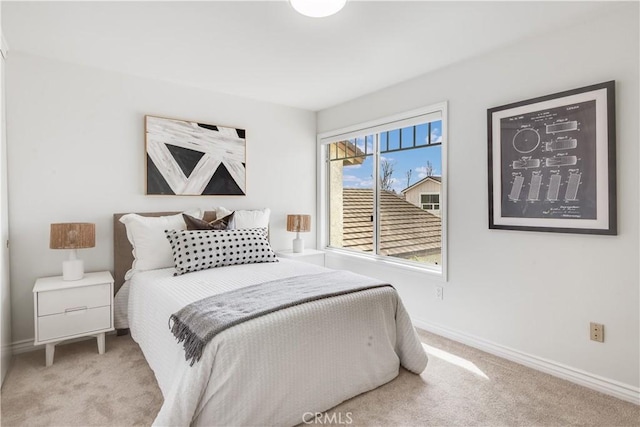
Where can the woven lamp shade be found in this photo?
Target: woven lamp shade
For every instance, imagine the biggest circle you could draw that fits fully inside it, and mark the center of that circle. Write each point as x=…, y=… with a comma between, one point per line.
x=72, y=235
x=298, y=222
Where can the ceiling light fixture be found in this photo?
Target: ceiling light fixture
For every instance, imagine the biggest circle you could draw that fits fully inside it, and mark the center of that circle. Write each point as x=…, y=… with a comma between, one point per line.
x=317, y=8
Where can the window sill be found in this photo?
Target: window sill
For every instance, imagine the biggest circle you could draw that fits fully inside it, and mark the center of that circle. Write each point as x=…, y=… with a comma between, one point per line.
x=436, y=273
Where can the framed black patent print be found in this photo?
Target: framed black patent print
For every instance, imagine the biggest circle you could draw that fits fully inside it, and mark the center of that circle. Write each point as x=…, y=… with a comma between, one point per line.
x=552, y=162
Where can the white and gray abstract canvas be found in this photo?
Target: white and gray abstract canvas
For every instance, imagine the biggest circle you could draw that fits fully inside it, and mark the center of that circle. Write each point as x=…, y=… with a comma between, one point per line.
x=189, y=158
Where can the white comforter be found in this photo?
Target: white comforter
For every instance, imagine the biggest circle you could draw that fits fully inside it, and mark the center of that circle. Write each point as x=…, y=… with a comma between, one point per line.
x=275, y=369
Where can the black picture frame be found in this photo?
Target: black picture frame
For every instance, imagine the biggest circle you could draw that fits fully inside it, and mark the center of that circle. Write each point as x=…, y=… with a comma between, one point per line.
x=552, y=162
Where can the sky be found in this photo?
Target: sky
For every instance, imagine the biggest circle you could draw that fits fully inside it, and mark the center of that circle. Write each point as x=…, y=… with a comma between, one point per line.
x=414, y=159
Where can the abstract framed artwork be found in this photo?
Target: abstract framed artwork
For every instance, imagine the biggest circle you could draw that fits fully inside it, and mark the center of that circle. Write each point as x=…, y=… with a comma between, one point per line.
x=190, y=158
x=552, y=163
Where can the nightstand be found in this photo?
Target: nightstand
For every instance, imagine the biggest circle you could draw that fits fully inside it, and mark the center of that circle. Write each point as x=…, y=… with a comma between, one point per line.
x=70, y=309
x=312, y=256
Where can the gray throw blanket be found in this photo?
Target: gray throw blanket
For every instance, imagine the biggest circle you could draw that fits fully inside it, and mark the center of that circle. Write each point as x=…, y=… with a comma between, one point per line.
x=197, y=323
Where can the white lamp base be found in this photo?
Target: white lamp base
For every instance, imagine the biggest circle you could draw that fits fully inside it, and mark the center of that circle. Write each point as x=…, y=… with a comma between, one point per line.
x=298, y=245
x=72, y=269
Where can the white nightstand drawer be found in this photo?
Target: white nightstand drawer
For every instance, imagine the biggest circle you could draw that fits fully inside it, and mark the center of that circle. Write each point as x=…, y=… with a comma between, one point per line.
x=73, y=323
x=59, y=301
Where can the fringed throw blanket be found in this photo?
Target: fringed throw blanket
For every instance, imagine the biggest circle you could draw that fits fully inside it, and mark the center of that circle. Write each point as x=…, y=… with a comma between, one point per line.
x=197, y=323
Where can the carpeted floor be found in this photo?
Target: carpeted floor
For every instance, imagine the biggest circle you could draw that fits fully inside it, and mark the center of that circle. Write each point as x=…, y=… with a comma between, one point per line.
x=462, y=386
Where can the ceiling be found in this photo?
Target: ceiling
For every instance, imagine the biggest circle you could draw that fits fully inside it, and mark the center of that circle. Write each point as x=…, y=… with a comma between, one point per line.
x=264, y=50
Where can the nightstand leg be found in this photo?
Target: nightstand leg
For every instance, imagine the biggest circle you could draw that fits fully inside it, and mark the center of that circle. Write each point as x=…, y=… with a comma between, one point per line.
x=100, y=343
x=49, y=352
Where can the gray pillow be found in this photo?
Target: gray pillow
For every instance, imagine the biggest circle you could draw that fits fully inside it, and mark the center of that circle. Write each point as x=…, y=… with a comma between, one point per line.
x=195, y=250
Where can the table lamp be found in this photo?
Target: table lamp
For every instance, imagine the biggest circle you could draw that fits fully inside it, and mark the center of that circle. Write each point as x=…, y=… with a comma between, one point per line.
x=298, y=223
x=73, y=235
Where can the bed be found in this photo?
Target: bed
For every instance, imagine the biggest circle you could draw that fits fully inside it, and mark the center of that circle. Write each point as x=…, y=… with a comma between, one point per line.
x=277, y=369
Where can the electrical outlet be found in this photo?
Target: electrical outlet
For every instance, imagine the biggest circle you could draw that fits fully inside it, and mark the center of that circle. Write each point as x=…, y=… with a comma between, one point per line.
x=597, y=332
x=439, y=292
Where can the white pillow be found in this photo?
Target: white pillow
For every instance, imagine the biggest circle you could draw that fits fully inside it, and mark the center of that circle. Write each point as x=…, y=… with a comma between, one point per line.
x=150, y=247
x=258, y=218
x=251, y=219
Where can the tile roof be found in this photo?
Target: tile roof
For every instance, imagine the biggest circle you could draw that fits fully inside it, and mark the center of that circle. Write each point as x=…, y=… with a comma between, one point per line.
x=405, y=229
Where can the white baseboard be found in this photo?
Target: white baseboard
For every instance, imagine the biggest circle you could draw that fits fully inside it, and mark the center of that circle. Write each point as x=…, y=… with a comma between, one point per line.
x=608, y=386
x=24, y=346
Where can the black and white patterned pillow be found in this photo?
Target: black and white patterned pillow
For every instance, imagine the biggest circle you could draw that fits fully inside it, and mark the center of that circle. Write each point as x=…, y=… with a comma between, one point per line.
x=195, y=250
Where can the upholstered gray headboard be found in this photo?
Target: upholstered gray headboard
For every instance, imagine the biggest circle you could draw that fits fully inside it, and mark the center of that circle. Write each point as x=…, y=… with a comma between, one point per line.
x=122, y=249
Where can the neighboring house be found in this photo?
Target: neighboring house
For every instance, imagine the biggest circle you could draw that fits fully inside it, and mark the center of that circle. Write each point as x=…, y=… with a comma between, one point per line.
x=425, y=194
x=406, y=231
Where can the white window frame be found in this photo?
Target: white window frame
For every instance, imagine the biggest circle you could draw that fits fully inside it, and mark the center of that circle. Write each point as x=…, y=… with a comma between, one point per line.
x=396, y=121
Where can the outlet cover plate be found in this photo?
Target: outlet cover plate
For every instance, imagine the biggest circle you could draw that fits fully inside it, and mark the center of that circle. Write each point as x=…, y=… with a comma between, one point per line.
x=597, y=332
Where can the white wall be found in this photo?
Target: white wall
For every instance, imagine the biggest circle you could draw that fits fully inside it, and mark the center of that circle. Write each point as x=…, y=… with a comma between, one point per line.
x=5, y=286
x=76, y=153
x=531, y=292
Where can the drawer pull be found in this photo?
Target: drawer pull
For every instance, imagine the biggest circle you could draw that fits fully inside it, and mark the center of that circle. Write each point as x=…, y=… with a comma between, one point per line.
x=71, y=310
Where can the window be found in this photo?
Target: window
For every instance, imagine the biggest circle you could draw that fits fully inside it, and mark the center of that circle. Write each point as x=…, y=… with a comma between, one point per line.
x=397, y=214
x=430, y=201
